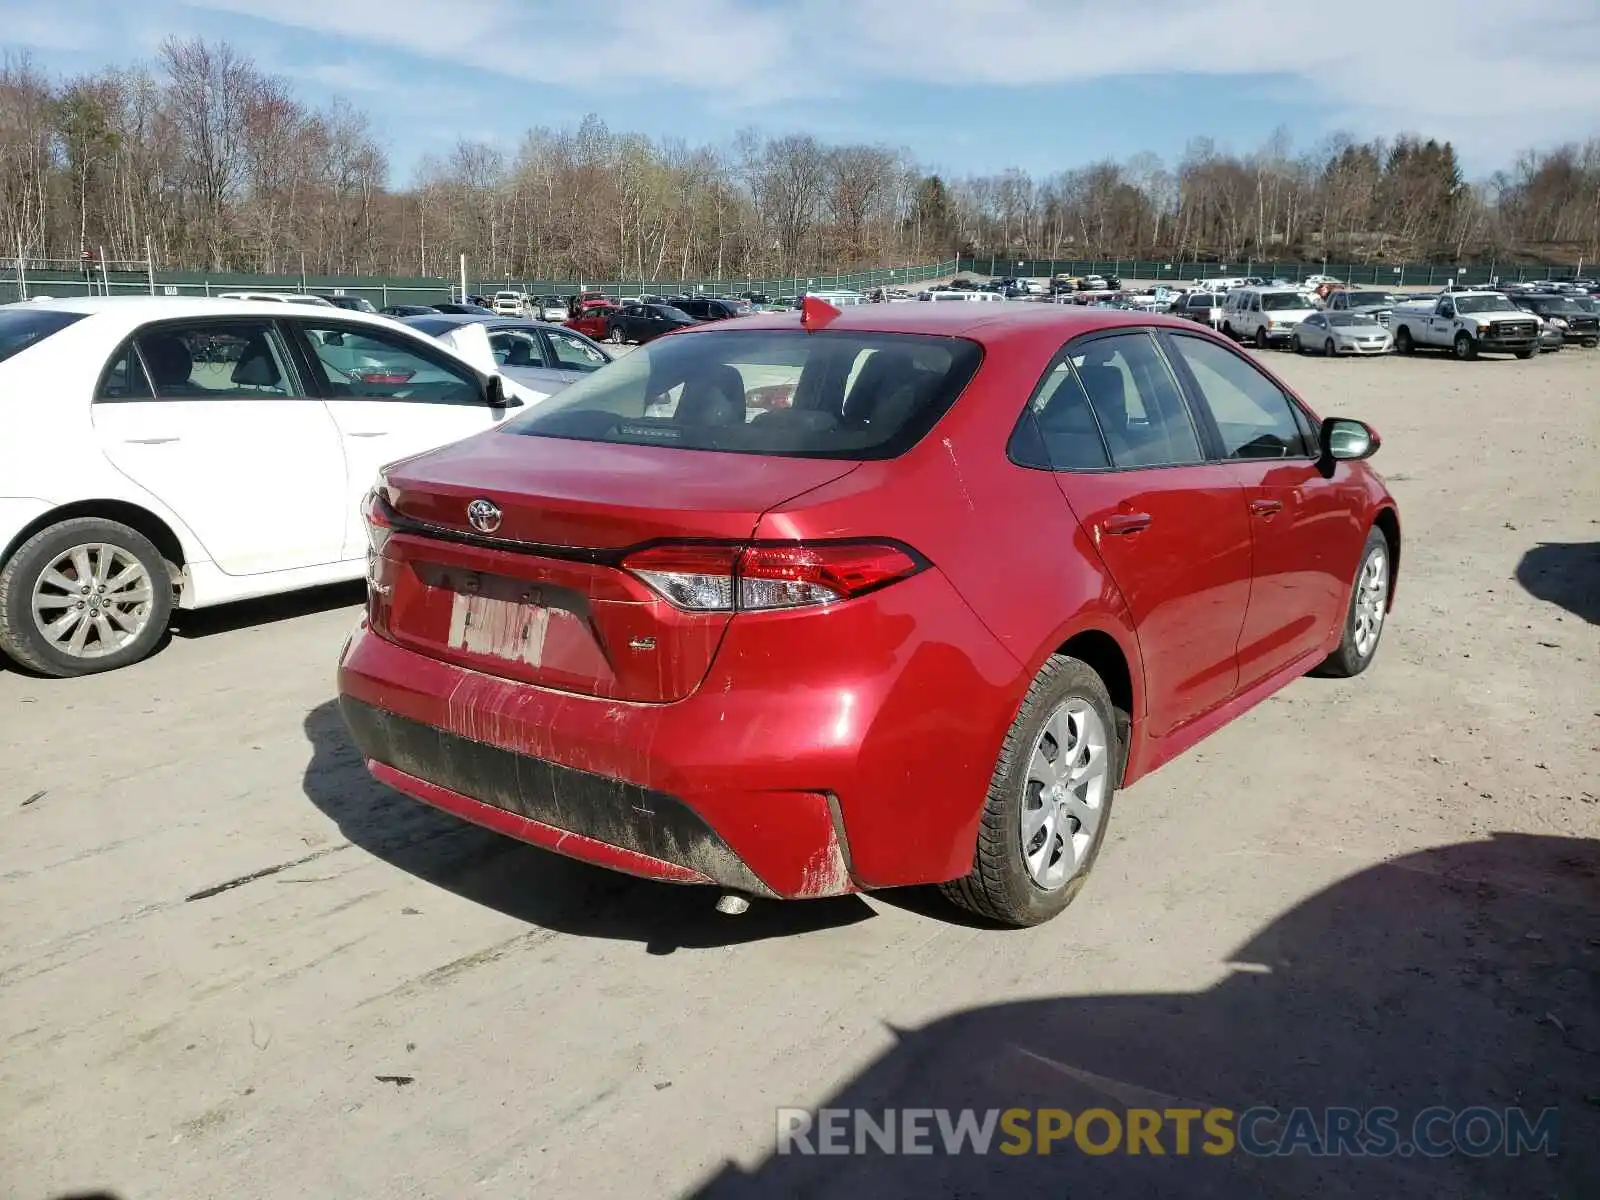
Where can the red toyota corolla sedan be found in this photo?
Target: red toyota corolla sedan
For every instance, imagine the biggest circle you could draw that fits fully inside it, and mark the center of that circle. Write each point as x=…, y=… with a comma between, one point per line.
x=988, y=566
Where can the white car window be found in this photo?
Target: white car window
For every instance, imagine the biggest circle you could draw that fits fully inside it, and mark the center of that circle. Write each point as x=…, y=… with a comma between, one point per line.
x=212, y=360
x=370, y=364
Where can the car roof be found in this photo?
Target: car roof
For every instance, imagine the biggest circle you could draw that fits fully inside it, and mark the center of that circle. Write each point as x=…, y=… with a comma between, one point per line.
x=139, y=309
x=497, y=321
x=979, y=322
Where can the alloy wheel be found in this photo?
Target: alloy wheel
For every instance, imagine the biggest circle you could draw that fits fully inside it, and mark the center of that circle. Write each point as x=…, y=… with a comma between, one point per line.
x=92, y=600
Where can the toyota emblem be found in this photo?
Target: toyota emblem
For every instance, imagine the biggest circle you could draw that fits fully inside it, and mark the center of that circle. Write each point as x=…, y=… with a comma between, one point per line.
x=484, y=515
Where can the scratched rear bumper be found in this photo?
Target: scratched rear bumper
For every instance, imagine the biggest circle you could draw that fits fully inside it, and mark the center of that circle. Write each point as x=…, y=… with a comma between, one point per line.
x=776, y=844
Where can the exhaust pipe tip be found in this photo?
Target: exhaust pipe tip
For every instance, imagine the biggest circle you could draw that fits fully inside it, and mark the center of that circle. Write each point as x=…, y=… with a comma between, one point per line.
x=732, y=904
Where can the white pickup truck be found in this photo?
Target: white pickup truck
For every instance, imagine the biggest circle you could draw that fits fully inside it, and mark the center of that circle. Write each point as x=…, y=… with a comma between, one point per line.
x=1465, y=323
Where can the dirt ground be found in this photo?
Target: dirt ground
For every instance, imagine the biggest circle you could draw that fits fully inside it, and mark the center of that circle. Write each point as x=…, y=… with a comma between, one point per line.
x=232, y=966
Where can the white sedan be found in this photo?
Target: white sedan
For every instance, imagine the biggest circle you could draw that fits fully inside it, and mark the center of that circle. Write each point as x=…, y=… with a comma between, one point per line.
x=1335, y=333
x=191, y=452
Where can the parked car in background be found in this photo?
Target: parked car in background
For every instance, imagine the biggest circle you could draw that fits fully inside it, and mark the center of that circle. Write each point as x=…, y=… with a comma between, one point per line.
x=1204, y=307
x=575, y=623
x=351, y=303
x=195, y=452
x=702, y=309
x=1466, y=324
x=548, y=308
x=407, y=310
x=277, y=298
x=1264, y=316
x=1552, y=339
x=592, y=324
x=1319, y=281
x=645, y=322
x=1375, y=304
x=1577, y=324
x=1334, y=333
x=509, y=304
x=542, y=358
x=460, y=309
x=758, y=300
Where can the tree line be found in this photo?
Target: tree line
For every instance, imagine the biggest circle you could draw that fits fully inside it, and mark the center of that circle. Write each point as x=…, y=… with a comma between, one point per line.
x=221, y=167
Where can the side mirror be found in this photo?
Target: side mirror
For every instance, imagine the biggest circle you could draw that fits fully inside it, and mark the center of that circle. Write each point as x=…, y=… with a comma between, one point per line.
x=1344, y=440
x=494, y=392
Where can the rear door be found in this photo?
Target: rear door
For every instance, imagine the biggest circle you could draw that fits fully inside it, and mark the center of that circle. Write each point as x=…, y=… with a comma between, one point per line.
x=213, y=418
x=1304, y=541
x=391, y=395
x=1171, y=528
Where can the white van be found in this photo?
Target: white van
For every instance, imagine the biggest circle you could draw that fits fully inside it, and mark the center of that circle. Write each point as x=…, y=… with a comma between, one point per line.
x=839, y=299
x=964, y=297
x=1265, y=315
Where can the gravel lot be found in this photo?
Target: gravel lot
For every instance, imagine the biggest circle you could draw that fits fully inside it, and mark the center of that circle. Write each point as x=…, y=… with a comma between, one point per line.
x=233, y=966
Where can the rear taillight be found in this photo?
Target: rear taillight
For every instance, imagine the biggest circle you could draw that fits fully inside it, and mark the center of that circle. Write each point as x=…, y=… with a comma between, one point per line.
x=725, y=577
x=379, y=518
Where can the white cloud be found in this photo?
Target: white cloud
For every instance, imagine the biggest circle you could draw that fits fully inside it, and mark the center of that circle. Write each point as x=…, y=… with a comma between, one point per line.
x=1491, y=78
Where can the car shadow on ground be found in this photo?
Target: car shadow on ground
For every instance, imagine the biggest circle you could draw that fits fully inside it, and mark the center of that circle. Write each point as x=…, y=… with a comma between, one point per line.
x=1564, y=573
x=207, y=622
x=526, y=882
x=1462, y=976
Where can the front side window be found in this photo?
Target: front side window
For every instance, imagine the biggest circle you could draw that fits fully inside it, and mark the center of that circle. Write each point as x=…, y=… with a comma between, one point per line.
x=1251, y=413
x=1136, y=402
x=370, y=364
x=573, y=353
x=228, y=360
x=779, y=392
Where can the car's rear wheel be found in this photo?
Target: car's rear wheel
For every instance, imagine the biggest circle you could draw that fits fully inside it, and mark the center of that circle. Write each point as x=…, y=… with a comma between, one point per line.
x=1364, y=618
x=615, y=335
x=1049, y=800
x=83, y=596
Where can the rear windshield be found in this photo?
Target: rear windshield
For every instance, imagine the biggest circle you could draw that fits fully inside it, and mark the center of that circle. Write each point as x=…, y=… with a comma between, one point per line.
x=22, y=327
x=853, y=395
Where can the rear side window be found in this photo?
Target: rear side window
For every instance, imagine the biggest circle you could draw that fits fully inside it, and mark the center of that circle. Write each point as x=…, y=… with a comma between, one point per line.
x=1136, y=402
x=232, y=360
x=23, y=327
x=781, y=392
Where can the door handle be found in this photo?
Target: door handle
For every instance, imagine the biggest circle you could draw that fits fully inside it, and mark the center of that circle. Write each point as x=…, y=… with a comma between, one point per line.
x=153, y=441
x=1120, y=523
x=1265, y=508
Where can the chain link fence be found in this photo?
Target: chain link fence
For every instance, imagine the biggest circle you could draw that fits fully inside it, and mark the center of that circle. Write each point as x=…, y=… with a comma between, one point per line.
x=1389, y=274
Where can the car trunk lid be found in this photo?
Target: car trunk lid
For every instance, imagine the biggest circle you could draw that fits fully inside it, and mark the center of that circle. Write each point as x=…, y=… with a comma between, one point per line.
x=539, y=595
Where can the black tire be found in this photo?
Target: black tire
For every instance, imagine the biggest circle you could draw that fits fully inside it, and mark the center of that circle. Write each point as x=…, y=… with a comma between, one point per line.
x=1299, y=346
x=615, y=335
x=1590, y=343
x=1349, y=660
x=1464, y=348
x=21, y=638
x=1402, y=341
x=1526, y=354
x=1261, y=339
x=1329, y=350
x=1000, y=887
x=1227, y=332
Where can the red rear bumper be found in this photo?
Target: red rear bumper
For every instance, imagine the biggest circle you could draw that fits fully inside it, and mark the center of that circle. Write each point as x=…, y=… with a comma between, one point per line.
x=800, y=767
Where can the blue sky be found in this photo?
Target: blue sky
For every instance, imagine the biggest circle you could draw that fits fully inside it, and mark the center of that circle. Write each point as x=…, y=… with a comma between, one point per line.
x=966, y=85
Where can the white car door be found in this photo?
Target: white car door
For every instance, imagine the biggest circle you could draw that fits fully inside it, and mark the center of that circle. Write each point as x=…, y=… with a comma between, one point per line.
x=210, y=416
x=392, y=394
